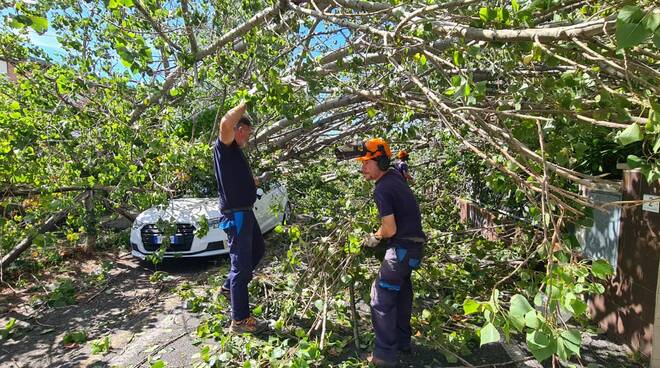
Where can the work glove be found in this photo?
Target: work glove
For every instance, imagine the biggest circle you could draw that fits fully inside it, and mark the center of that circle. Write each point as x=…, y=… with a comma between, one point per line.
x=371, y=241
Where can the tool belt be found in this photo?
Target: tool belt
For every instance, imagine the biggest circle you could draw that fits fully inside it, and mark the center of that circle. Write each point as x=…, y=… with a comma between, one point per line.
x=229, y=211
x=412, y=239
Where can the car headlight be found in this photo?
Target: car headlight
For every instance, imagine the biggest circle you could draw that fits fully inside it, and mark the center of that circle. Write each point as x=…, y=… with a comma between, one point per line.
x=213, y=222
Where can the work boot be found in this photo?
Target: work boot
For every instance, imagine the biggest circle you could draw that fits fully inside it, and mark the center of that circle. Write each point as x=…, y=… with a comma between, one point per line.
x=380, y=363
x=249, y=325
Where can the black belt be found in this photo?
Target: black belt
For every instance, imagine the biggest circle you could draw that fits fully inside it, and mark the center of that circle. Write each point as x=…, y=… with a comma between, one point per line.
x=229, y=211
x=417, y=240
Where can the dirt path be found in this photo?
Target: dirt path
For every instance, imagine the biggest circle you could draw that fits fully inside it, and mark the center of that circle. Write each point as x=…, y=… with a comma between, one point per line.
x=137, y=315
x=147, y=321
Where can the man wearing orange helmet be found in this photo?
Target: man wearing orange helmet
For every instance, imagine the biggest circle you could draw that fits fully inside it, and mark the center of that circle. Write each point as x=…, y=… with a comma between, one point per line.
x=401, y=227
x=402, y=165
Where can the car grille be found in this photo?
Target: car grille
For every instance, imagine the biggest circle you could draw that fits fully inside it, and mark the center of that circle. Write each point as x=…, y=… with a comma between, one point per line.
x=216, y=245
x=181, y=240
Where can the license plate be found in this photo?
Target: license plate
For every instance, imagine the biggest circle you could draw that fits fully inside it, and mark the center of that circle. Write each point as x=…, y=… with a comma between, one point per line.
x=158, y=239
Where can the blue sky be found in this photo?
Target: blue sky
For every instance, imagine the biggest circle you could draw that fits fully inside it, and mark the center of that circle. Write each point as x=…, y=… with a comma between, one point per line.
x=50, y=45
x=47, y=42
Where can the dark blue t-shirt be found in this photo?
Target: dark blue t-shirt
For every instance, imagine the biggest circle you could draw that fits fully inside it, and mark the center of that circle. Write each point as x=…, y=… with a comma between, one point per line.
x=394, y=197
x=235, y=181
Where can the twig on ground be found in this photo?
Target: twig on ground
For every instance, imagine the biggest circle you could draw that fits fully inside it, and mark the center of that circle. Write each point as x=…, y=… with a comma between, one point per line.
x=159, y=348
x=494, y=365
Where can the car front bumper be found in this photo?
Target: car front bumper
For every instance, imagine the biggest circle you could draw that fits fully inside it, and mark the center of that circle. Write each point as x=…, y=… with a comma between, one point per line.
x=212, y=244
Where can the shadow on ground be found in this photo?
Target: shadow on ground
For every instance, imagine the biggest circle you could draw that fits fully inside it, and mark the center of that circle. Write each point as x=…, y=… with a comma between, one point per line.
x=129, y=305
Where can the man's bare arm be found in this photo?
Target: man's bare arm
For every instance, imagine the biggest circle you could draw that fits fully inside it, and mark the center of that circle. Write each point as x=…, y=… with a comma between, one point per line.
x=387, y=227
x=229, y=121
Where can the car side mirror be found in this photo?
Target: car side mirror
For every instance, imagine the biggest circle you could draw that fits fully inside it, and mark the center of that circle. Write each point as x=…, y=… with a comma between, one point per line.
x=260, y=193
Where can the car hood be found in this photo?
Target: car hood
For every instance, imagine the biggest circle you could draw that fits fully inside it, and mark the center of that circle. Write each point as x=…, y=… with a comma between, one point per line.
x=183, y=210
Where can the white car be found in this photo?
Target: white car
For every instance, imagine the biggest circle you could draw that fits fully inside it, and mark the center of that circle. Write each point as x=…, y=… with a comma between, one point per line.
x=271, y=208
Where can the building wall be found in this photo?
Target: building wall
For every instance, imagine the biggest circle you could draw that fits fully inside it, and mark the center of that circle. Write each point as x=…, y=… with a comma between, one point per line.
x=601, y=240
x=479, y=218
x=627, y=308
x=655, y=354
x=8, y=70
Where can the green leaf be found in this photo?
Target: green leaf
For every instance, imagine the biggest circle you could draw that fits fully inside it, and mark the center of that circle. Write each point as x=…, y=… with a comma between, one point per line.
x=630, y=34
x=531, y=320
x=115, y=4
x=517, y=311
x=538, y=299
x=467, y=90
x=470, y=306
x=502, y=15
x=484, y=14
x=656, y=39
x=9, y=325
x=630, y=14
x=634, y=162
x=158, y=364
x=652, y=20
x=578, y=306
x=458, y=58
x=15, y=22
x=631, y=134
x=39, y=24
x=517, y=321
x=519, y=306
x=601, y=269
x=371, y=112
x=489, y=334
x=77, y=337
x=572, y=340
x=515, y=5
x=420, y=58
x=656, y=146
x=277, y=353
x=541, y=345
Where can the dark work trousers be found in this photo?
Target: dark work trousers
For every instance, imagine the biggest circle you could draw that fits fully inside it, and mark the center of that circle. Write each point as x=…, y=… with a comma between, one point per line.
x=391, y=300
x=246, y=248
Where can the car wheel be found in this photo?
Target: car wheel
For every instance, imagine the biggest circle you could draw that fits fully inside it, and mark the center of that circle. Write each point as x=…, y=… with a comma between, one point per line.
x=287, y=213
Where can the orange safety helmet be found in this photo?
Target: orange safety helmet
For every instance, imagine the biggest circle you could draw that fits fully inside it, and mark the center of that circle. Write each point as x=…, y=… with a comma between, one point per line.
x=402, y=155
x=374, y=148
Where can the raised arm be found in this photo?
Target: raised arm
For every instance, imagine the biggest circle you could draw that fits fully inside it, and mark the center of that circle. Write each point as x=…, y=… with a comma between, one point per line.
x=229, y=121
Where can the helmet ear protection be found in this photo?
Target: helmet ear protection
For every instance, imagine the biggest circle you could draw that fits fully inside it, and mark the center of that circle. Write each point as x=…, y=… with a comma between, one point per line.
x=383, y=161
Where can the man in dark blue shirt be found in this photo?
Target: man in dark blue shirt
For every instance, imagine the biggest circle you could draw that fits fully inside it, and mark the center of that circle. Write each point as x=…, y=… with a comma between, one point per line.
x=401, y=226
x=237, y=190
